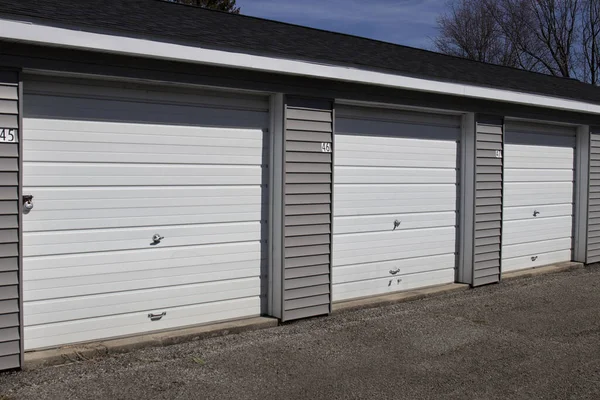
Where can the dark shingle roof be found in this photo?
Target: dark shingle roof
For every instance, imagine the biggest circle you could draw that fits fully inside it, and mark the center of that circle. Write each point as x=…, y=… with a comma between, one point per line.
x=165, y=21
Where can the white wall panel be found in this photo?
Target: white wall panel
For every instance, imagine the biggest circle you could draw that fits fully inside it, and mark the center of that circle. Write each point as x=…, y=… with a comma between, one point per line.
x=110, y=167
x=393, y=166
x=538, y=200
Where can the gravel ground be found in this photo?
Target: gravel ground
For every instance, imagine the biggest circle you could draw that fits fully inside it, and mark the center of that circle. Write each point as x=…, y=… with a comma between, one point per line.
x=535, y=338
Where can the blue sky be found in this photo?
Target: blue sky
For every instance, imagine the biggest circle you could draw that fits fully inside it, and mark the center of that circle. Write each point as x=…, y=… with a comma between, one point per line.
x=407, y=22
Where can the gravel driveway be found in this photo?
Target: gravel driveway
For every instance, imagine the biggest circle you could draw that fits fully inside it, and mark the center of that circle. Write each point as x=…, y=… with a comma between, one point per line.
x=535, y=338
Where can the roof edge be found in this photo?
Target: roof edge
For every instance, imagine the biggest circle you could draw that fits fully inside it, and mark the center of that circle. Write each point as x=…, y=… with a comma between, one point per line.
x=28, y=32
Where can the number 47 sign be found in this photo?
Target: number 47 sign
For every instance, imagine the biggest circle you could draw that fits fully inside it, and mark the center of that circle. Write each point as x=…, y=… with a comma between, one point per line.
x=8, y=135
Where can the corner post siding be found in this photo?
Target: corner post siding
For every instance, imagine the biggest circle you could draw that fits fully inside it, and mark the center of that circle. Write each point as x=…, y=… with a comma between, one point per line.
x=11, y=318
x=593, y=230
x=581, y=198
x=467, y=200
x=489, y=171
x=308, y=190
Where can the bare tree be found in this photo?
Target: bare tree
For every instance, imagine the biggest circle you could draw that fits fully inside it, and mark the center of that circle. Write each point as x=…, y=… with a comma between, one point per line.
x=470, y=30
x=590, y=40
x=556, y=37
x=515, y=19
x=554, y=28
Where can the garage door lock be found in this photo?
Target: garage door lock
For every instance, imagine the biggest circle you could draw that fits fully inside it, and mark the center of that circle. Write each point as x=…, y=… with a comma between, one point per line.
x=157, y=238
x=536, y=213
x=28, y=202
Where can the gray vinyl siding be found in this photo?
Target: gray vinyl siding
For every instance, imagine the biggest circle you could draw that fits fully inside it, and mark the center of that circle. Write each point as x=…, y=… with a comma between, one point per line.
x=593, y=242
x=307, y=215
x=10, y=306
x=488, y=200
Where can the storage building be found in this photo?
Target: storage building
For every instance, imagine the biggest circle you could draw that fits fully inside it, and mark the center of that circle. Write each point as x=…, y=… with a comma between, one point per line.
x=164, y=166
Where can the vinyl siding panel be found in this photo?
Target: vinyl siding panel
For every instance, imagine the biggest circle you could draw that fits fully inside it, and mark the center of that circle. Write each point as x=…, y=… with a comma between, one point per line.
x=304, y=292
x=9, y=106
x=307, y=240
x=9, y=292
x=593, y=247
x=308, y=168
x=307, y=220
x=306, y=302
x=307, y=209
x=9, y=90
x=9, y=264
x=308, y=312
x=314, y=270
x=304, y=136
x=306, y=178
x=9, y=236
x=393, y=166
x=10, y=348
x=10, y=317
x=489, y=146
x=9, y=121
x=110, y=165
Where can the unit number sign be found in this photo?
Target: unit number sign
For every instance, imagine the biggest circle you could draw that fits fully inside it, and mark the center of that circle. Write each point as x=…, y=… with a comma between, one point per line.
x=8, y=135
x=326, y=147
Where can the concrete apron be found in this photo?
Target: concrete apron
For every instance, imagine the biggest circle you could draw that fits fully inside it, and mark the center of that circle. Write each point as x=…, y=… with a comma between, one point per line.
x=81, y=352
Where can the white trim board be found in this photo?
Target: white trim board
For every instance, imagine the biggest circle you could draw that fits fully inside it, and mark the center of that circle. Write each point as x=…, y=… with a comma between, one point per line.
x=74, y=39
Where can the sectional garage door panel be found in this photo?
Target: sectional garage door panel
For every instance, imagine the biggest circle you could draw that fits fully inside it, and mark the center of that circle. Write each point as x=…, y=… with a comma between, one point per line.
x=395, y=201
x=110, y=167
x=538, y=202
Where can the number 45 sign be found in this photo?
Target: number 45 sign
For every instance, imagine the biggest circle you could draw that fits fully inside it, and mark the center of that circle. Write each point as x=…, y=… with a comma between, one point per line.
x=8, y=135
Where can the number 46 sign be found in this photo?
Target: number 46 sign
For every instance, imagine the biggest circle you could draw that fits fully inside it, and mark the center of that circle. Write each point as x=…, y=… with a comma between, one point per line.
x=8, y=135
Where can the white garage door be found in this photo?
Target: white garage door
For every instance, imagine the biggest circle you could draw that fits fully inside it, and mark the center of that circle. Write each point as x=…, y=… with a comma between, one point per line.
x=538, y=195
x=109, y=168
x=395, y=201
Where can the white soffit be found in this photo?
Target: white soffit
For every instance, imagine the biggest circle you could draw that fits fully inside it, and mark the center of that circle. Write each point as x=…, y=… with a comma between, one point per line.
x=68, y=38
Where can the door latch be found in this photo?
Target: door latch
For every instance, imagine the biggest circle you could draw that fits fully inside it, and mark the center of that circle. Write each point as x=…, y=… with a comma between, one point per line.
x=536, y=213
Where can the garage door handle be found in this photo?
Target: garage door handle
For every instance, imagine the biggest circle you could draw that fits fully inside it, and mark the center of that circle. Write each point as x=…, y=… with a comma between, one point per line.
x=394, y=271
x=396, y=224
x=534, y=258
x=157, y=317
x=536, y=213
